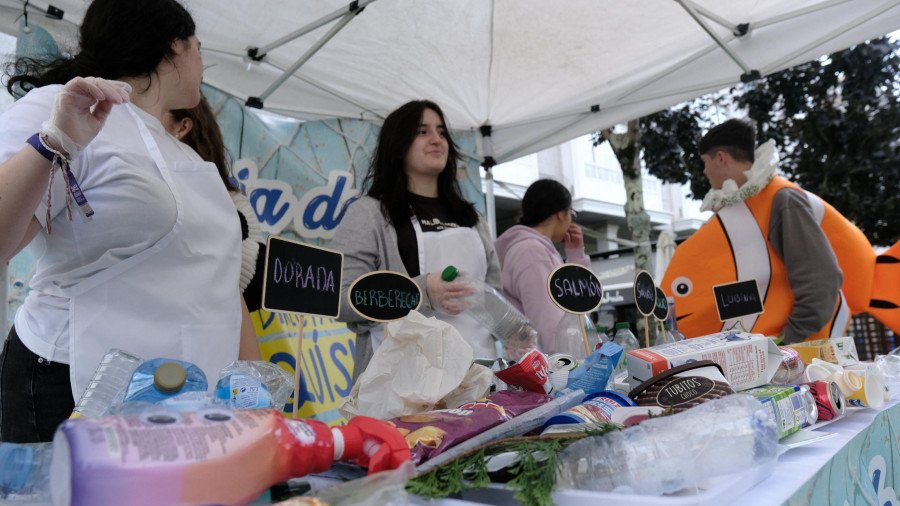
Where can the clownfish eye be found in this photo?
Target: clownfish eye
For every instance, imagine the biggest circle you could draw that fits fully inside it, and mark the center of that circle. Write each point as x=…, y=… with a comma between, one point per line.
x=682, y=286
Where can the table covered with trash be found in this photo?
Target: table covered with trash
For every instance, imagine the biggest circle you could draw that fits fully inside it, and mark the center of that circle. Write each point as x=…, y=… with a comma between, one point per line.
x=726, y=417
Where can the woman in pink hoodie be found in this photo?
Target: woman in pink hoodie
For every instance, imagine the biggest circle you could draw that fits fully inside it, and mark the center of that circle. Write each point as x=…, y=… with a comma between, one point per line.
x=527, y=255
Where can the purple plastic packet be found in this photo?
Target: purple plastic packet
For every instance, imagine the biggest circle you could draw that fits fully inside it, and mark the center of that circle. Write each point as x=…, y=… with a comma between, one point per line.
x=432, y=432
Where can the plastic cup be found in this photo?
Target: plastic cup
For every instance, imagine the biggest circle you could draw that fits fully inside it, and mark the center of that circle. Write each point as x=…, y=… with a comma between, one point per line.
x=873, y=392
x=816, y=372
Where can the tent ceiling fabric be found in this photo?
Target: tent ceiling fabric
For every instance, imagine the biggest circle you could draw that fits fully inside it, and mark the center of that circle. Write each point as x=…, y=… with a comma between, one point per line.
x=532, y=69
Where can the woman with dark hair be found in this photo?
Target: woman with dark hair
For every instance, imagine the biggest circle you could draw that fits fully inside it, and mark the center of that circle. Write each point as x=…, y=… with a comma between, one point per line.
x=414, y=220
x=152, y=265
x=527, y=255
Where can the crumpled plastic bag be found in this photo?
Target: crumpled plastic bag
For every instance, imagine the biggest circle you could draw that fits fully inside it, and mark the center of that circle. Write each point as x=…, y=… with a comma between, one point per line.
x=423, y=364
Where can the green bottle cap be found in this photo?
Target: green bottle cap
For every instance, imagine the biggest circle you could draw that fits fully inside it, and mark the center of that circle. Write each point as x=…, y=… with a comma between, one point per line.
x=169, y=377
x=623, y=325
x=449, y=273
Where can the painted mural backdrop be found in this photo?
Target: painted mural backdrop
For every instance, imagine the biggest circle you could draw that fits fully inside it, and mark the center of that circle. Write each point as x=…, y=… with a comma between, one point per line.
x=299, y=177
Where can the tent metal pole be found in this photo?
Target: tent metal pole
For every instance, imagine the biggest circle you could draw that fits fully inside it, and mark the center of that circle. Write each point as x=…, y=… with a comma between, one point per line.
x=4, y=300
x=306, y=56
x=352, y=8
x=487, y=149
x=709, y=31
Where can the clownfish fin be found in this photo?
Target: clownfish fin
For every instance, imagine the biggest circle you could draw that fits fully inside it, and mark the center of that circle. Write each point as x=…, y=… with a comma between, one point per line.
x=885, y=299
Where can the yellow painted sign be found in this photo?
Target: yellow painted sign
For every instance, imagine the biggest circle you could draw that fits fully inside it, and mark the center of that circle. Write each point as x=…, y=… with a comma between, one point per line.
x=326, y=360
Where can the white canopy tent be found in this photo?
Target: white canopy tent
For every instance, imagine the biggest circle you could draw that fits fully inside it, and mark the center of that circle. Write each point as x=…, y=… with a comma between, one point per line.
x=538, y=72
x=528, y=73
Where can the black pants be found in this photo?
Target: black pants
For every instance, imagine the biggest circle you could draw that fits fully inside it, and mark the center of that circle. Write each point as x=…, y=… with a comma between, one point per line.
x=35, y=394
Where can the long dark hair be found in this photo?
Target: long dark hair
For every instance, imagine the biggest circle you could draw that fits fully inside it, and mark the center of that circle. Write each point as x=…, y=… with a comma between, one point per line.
x=118, y=38
x=544, y=198
x=205, y=137
x=387, y=181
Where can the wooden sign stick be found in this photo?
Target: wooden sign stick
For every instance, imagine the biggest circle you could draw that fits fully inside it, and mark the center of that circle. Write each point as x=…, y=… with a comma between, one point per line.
x=646, y=331
x=662, y=329
x=587, y=350
x=297, y=372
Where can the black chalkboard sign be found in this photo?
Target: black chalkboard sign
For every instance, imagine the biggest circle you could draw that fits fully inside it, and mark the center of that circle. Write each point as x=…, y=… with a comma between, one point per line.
x=644, y=293
x=738, y=299
x=661, y=310
x=384, y=296
x=300, y=278
x=575, y=289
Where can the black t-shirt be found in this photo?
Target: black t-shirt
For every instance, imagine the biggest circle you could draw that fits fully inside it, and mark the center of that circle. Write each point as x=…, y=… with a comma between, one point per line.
x=432, y=216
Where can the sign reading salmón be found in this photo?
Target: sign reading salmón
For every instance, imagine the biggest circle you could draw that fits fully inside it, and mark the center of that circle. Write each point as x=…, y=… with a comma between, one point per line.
x=575, y=288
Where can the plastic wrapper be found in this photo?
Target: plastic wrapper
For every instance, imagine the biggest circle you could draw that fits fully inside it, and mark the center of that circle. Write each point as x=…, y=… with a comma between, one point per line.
x=432, y=432
x=664, y=455
x=279, y=382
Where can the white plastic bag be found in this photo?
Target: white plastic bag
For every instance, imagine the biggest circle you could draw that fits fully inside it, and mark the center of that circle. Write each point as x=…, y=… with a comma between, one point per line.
x=422, y=365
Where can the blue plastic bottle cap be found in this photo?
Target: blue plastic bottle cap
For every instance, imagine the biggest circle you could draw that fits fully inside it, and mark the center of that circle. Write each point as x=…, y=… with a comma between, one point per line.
x=169, y=377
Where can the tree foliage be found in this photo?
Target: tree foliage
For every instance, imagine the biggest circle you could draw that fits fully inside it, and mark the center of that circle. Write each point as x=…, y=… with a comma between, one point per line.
x=836, y=122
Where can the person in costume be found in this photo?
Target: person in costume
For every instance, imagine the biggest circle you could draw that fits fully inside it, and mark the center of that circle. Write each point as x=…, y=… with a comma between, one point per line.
x=151, y=266
x=812, y=266
x=414, y=220
x=527, y=256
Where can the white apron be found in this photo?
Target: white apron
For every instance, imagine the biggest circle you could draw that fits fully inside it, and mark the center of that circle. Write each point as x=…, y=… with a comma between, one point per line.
x=462, y=248
x=178, y=298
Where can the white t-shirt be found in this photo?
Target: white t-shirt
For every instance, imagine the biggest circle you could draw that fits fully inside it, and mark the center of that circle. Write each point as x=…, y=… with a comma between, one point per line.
x=133, y=208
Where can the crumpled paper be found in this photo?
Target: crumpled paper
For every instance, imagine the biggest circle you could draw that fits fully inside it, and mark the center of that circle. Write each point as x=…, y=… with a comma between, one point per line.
x=423, y=364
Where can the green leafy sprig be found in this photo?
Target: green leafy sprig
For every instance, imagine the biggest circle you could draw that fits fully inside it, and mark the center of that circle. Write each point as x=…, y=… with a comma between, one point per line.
x=534, y=472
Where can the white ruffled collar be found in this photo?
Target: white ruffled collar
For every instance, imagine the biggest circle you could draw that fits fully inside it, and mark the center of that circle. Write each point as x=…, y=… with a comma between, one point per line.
x=759, y=175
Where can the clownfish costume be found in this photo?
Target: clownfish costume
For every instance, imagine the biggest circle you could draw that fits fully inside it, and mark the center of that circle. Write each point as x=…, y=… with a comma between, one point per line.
x=733, y=246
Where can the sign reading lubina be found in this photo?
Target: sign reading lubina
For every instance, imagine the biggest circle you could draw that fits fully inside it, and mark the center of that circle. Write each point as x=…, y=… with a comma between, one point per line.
x=384, y=296
x=575, y=289
x=300, y=278
x=738, y=299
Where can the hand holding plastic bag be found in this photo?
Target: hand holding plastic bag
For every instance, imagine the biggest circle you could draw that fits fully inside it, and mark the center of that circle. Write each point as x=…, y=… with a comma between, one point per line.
x=80, y=110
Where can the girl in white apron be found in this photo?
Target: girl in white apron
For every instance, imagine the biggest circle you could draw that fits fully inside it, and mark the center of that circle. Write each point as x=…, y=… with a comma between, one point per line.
x=414, y=220
x=151, y=265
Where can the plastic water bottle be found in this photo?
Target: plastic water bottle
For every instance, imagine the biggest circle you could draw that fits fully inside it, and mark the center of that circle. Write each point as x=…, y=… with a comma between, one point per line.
x=161, y=378
x=627, y=341
x=107, y=386
x=243, y=391
x=666, y=454
x=571, y=340
x=505, y=322
x=25, y=472
x=672, y=320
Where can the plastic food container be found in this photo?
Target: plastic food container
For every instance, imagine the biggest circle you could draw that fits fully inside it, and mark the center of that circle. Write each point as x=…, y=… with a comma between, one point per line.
x=683, y=387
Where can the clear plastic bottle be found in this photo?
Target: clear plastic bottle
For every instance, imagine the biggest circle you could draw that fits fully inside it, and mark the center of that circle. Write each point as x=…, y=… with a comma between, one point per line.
x=668, y=337
x=107, y=386
x=242, y=391
x=627, y=341
x=161, y=378
x=667, y=454
x=25, y=472
x=672, y=320
x=505, y=322
x=570, y=339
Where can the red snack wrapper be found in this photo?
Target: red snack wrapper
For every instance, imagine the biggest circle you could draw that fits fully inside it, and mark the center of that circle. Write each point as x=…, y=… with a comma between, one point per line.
x=532, y=373
x=432, y=432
